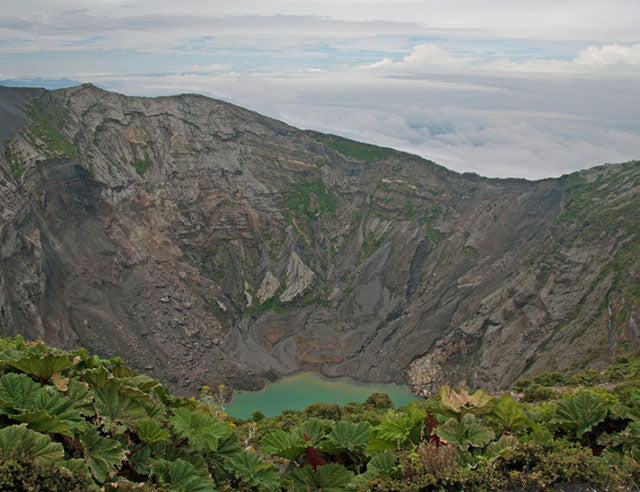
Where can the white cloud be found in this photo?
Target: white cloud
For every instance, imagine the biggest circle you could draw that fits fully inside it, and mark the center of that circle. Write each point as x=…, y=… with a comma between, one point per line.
x=593, y=59
x=609, y=54
x=500, y=87
x=496, y=127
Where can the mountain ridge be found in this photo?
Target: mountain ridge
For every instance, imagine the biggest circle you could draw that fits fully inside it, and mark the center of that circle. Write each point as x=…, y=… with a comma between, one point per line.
x=235, y=248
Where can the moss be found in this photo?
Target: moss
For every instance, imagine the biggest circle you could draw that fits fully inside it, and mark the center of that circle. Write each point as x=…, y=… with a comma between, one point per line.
x=16, y=166
x=371, y=244
x=46, y=123
x=141, y=166
x=308, y=199
x=355, y=150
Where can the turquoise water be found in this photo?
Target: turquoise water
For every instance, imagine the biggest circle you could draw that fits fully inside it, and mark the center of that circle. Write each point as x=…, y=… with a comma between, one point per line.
x=302, y=389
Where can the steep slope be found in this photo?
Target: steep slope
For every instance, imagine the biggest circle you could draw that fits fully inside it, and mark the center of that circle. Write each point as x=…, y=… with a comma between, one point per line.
x=206, y=243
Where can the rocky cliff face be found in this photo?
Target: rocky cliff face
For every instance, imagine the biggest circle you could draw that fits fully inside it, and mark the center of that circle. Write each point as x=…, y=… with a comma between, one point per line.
x=205, y=243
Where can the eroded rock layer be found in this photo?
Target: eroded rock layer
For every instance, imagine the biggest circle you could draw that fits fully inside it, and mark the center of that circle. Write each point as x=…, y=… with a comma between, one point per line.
x=205, y=243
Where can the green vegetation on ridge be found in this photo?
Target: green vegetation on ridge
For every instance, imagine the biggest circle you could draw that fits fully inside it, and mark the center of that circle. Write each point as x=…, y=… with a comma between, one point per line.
x=72, y=421
x=353, y=149
x=46, y=124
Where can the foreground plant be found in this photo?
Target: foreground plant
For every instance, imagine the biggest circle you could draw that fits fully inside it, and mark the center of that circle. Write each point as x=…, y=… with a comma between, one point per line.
x=71, y=421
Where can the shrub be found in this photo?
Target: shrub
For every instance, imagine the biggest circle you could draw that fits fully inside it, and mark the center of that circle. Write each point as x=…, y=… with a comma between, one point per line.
x=19, y=473
x=588, y=376
x=550, y=378
x=379, y=400
x=534, y=392
x=329, y=411
x=521, y=384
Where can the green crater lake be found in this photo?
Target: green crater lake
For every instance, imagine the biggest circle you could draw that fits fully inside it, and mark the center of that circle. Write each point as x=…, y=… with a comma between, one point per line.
x=300, y=390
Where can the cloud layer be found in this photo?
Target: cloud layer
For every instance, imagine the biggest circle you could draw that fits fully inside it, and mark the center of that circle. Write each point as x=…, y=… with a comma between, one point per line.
x=502, y=88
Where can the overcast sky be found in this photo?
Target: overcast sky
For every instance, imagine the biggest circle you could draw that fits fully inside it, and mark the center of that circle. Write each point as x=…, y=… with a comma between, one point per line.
x=533, y=88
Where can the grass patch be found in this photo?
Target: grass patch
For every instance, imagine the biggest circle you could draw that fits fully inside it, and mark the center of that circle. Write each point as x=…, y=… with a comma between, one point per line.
x=46, y=124
x=141, y=166
x=355, y=150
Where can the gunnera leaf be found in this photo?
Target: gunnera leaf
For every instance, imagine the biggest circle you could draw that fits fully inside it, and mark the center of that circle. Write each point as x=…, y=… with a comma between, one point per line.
x=580, y=413
x=41, y=421
x=17, y=439
x=284, y=444
x=203, y=431
x=380, y=465
x=43, y=367
x=314, y=428
x=508, y=414
x=252, y=472
x=328, y=478
x=81, y=397
x=117, y=412
x=468, y=432
x=393, y=428
x=17, y=392
x=103, y=455
x=349, y=436
x=150, y=431
x=179, y=476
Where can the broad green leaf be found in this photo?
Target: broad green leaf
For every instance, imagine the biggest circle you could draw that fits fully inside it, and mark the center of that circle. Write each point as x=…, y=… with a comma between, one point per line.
x=495, y=448
x=314, y=429
x=81, y=397
x=538, y=434
x=151, y=431
x=228, y=445
x=116, y=411
x=179, y=476
x=27, y=402
x=303, y=479
x=468, y=432
x=140, y=461
x=580, y=413
x=252, y=472
x=41, y=421
x=167, y=451
x=41, y=368
x=17, y=439
x=382, y=464
x=76, y=464
x=333, y=477
x=121, y=371
x=57, y=405
x=418, y=416
x=393, y=429
x=629, y=438
x=155, y=410
x=98, y=377
x=103, y=455
x=618, y=412
x=203, y=431
x=349, y=436
x=141, y=382
x=508, y=414
x=284, y=444
x=17, y=392
x=327, y=478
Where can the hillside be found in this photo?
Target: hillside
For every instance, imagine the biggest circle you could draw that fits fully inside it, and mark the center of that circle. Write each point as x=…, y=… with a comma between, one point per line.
x=206, y=244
